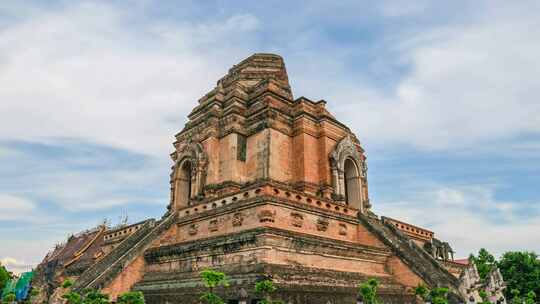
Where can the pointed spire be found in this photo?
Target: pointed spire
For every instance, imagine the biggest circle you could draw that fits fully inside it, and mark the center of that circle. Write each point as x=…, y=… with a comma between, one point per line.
x=256, y=68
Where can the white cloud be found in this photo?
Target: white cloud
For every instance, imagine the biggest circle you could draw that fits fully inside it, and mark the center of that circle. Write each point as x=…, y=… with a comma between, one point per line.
x=465, y=84
x=469, y=217
x=15, y=265
x=14, y=207
x=85, y=72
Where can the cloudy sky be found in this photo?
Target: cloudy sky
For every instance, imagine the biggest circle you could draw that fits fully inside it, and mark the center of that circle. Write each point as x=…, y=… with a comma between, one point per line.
x=443, y=96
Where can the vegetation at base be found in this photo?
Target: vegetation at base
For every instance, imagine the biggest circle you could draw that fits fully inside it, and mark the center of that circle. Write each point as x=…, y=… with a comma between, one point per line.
x=422, y=291
x=67, y=283
x=368, y=291
x=437, y=295
x=485, y=263
x=91, y=296
x=211, y=280
x=530, y=297
x=521, y=272
x=132, y=297
x=266, y=288
x=5, y=276
x=484, y=297
x=9, y=297
x=72, y=298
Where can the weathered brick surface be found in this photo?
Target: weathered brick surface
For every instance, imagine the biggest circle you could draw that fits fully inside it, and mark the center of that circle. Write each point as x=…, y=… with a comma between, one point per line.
x=265, y=191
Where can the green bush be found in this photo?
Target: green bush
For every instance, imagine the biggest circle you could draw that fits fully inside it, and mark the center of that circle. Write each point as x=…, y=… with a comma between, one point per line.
x=368, y=291
x=9, y=297
x=211, y=280
x=67, y=283
x=132, y=297
x=266, y=288
x=73, y=298
x=95, y=297
x=439, y=295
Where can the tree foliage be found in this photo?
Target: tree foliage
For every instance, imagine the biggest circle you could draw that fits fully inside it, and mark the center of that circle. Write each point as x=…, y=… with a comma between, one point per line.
x=266, y=288
x=439, y=295
x=90, y=297
x=211, y=280
x=96, y=297
x=132, y=297
x=368, y=291
x=67, y=283
x=521, y=273
x=9, y=297
x=72, y=298
x=485, y=263
x=436, y=296
x=5, y=276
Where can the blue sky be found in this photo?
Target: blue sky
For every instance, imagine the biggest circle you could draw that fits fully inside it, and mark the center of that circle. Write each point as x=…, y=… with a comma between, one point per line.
x=444, y=98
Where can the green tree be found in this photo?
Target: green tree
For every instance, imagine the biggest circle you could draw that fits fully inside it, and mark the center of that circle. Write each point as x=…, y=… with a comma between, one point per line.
x=72, y=298
x=521, y=272
x=484, y=297
x=211, y=280
x=439, y=295
x=485, y=263
x=368, y=291
x=516, y=298
x=266, y=288
x=95, y=297
x=531, y=298
x=67, y=283
x=5, y=276
x=9, y=297
x=422, y=291
x=132, y=297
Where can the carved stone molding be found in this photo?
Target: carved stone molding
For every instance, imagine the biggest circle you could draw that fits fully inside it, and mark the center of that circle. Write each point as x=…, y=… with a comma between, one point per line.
x=237, y=219
x=267, y=216
x=297, y=219
x=322, y=224
x=193, y=229
x=213, y=225
x=342, y=229
x=193, y=153
x=347, y=149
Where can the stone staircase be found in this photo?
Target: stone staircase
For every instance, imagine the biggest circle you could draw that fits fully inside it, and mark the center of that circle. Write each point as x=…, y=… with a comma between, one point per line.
x=411, y=254
x=106, y=269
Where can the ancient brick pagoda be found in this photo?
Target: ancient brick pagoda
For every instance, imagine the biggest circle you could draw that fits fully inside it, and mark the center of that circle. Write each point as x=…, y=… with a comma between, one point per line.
x=265, y=185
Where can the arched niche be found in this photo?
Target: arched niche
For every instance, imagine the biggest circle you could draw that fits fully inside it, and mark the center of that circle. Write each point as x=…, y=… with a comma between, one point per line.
x=183, y=183
x=353, y=184
x=188, y=176
x=349, y=174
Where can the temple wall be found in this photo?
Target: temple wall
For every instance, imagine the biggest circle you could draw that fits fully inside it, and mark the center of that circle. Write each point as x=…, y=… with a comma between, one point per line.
x=283, y=217
x=131, y=275
x=281, y=156
x=256, y=155
x=229, y=166
x=212, y=147
x=402, y=273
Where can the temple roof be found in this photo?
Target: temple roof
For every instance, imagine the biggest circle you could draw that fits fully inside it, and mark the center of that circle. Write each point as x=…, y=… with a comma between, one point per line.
x=256, y=68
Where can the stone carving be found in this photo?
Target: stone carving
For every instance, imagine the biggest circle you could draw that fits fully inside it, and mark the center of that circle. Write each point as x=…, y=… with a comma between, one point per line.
x=322, y=224
x=297, y=219
x=213, y=225
x=193, y=229
x=342, y=229
x=440, y=250
x=238, y=219
x=346, y=149
x=267, y=216
x=194, y=154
